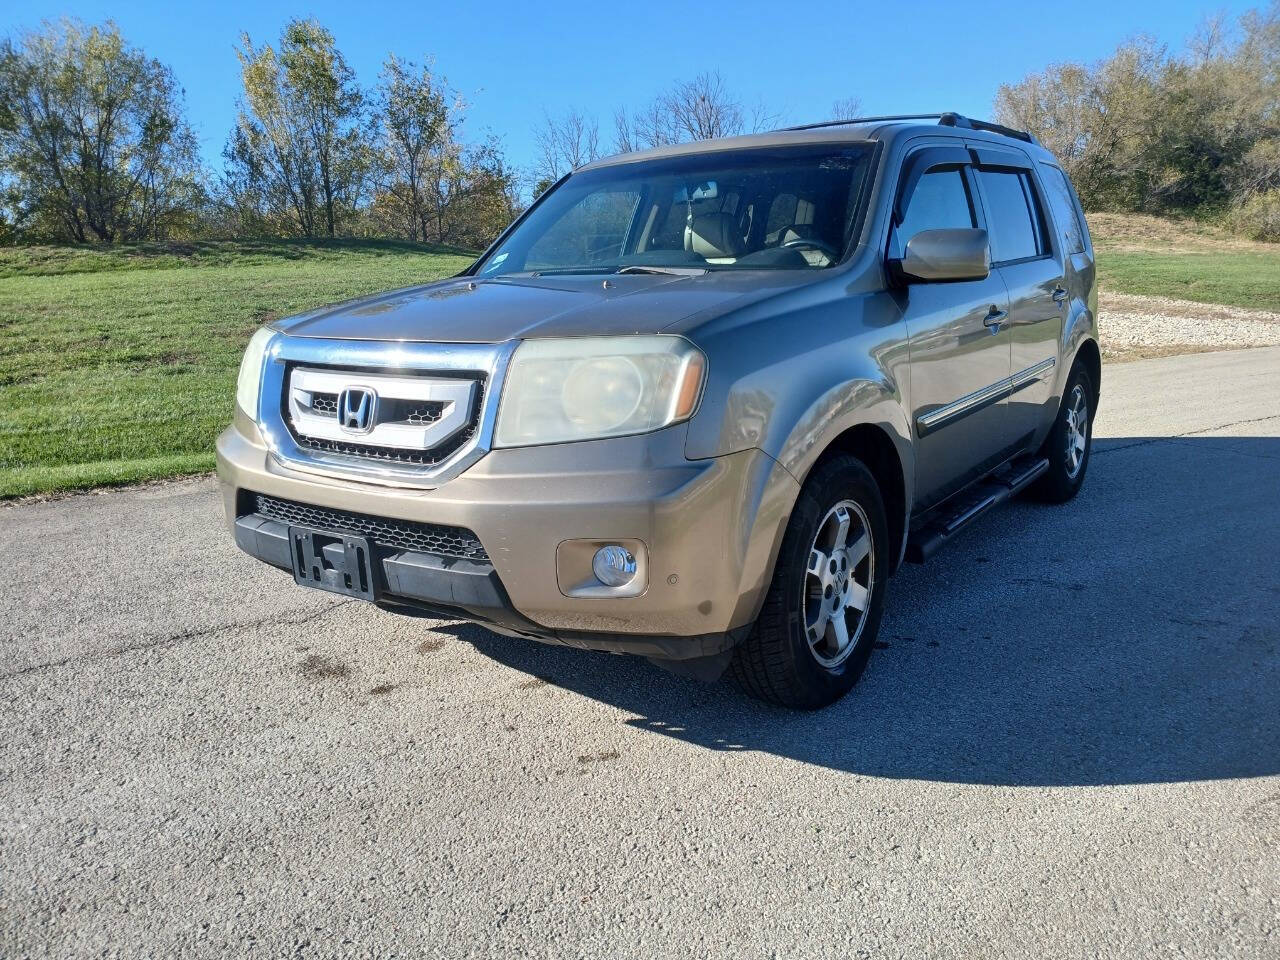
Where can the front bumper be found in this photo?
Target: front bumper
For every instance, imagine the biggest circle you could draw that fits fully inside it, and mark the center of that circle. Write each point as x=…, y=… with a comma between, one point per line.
x=710, y=530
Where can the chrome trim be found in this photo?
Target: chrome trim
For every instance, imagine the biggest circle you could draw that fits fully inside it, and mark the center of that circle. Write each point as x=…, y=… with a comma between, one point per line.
x=936, y=419
x=371, y=357
x=1024, y=378
x=455, y=394
x=970, y=403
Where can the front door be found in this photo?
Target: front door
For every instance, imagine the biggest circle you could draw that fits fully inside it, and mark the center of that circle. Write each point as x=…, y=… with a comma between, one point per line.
x=959, y=346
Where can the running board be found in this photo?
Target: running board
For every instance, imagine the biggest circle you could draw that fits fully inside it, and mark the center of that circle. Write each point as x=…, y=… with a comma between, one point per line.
x=969, y=506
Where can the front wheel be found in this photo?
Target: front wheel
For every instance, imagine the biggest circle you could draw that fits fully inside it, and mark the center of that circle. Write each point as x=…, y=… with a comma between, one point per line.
x=1069, y=443
x=823, y=608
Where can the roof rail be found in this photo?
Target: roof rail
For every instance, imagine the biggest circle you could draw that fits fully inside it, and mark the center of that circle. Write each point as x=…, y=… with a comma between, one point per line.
x=885, y=119
x=945, y=119
x=968, y=123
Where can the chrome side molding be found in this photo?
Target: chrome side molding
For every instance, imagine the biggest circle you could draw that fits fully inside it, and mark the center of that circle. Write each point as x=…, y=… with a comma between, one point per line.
x=940, y=417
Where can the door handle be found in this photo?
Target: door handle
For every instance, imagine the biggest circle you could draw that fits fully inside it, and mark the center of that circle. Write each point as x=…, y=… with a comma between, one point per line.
x=994, y=319
x=1059, y=296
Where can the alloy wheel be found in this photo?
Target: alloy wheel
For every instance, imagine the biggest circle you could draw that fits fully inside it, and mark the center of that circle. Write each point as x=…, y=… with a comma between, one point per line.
x=1077, y=430
x=838, y=583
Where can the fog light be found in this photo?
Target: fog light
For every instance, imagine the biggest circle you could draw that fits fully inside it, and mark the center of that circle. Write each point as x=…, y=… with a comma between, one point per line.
x=614, y=566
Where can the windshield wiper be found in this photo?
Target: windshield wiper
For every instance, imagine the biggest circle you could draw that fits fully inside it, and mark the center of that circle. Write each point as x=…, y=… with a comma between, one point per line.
x=558, y=272
x=670, y=271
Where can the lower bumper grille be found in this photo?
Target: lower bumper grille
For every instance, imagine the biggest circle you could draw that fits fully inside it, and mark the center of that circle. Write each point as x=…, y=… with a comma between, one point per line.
x=432, y=538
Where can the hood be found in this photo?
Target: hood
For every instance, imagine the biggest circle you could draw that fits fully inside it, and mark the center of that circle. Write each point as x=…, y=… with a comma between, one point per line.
x=468, y=310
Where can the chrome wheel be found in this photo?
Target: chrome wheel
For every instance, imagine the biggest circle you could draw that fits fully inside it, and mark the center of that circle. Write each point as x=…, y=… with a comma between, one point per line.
x=838, y=582
x=1077, y=430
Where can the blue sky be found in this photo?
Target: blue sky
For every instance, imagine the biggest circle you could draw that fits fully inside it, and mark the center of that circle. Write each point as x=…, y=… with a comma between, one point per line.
x=511, y=60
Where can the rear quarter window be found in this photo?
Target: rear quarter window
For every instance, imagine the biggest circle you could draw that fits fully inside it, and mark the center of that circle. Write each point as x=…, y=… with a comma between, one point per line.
x=1066, y=215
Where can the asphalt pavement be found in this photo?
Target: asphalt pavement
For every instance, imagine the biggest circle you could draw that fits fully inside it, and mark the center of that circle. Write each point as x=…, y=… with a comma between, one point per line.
x=1067, y=745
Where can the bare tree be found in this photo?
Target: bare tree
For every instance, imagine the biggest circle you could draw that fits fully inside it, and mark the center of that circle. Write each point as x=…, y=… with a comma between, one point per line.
x=565, y=144
x=697, y=109
x=643, y=129
x=702, y=109
x=846, y=108
x=763, y=118
x=1210, y=39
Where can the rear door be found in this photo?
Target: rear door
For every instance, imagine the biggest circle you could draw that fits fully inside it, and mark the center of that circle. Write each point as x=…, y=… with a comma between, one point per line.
x=959, y=348
x=1033, y=271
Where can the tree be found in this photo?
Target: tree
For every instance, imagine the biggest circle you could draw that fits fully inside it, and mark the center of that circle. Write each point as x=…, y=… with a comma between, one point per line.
x=1147, y=130
x=702, y=109
x=697, y=109
x=846, y=108
x=417, y=124
x=643, y=129
x=93, y=138
x=563, y=145
x=299, y=153
x=471, y=193
x=431, y=187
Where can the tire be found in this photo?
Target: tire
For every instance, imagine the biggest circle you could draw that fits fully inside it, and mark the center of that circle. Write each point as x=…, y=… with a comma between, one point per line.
x=784, y=660
x=1068, y=462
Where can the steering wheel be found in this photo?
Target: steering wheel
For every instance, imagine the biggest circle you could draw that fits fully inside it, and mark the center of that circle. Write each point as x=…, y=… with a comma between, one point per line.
x=831, y=252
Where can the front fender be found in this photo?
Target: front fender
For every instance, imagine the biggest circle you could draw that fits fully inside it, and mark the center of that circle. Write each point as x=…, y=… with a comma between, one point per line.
x=791, y=383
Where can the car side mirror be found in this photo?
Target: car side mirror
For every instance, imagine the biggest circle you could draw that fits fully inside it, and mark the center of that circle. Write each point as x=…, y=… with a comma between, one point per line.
x=940, y=256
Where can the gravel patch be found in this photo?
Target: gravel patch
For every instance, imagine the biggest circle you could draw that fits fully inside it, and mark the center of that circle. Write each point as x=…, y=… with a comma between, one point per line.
x=1133, y=326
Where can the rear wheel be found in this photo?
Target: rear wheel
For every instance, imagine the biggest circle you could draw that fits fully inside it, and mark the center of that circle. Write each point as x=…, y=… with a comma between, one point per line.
x=823, y=609
x=1069, y=443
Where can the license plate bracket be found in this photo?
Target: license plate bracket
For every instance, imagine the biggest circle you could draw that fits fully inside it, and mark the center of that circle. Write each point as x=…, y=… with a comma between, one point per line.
x=337, y=562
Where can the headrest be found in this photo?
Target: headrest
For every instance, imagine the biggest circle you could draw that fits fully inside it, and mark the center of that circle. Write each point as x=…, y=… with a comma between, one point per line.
x=714, y=235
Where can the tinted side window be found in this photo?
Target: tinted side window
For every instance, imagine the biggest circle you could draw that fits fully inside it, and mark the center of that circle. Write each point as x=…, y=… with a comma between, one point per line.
x=1064, y=208
x=940, y=200
x=1013, y=217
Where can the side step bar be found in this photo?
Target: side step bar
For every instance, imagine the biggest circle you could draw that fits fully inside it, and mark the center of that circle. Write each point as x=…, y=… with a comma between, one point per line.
x=929, y=538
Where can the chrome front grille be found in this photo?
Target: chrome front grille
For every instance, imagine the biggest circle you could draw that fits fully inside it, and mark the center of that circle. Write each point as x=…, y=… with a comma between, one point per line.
x=413, y=421
x=405, y=414
x=391, y=411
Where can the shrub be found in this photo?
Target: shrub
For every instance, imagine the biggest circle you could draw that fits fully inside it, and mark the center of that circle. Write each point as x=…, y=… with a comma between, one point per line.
x=1258, y=218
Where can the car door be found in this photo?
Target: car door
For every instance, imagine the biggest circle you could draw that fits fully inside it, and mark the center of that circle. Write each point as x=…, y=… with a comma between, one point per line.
x=959, y=347
x=1034, y=274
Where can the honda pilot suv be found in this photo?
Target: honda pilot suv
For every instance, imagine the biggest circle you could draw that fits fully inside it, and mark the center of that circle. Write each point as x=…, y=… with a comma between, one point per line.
x=696, y=404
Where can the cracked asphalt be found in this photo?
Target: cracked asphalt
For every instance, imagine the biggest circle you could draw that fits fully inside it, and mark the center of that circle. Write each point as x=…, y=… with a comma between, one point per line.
x=1068, y=744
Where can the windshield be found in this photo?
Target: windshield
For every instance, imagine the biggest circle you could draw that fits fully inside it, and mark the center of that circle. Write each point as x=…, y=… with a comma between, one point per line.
x=780, y=208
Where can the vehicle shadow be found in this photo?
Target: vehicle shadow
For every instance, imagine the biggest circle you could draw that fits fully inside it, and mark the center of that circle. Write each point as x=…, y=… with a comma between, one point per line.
x=1128, y=637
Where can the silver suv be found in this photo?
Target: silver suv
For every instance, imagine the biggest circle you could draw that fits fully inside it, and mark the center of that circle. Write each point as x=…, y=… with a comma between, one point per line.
x=696, y=404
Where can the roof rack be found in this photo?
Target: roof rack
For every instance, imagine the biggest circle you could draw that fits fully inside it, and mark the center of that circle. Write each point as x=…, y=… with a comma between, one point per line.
x=852, y=120
x=946, y=119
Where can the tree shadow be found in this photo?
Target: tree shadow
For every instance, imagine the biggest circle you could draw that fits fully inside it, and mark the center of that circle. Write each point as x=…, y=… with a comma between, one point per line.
x=1128, y=637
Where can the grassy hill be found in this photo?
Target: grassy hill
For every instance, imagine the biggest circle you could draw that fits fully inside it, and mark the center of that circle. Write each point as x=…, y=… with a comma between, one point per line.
x=118, y=364
x=1185, y=259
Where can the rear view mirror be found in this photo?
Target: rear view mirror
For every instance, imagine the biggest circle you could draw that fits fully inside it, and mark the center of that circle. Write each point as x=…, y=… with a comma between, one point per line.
x=938, y=256
x=706, y=190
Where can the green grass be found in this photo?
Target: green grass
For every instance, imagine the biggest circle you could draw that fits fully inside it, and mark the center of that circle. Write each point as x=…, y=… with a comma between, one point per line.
x=1238, y=278
x=118, y=364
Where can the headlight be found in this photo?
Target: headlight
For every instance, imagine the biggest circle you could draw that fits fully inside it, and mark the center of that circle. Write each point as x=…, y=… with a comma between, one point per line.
x=249, y=382
x=560, y=390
